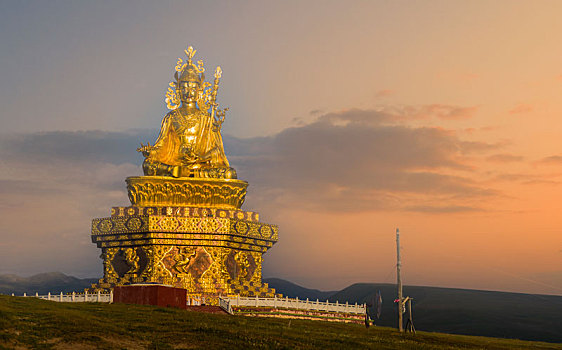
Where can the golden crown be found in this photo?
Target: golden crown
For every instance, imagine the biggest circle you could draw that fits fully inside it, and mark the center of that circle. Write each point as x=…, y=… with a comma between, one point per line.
x=189, y=71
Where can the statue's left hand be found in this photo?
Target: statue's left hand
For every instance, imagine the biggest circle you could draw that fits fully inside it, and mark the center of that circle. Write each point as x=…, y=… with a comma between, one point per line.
x=146, y=150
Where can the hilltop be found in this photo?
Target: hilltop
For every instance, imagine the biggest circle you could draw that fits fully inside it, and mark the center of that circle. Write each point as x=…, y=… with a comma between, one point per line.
x=293, y=290
x=34, y=323
x=448, y=310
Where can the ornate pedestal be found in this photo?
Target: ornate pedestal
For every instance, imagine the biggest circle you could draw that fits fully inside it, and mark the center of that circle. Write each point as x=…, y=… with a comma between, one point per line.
x=187, y=233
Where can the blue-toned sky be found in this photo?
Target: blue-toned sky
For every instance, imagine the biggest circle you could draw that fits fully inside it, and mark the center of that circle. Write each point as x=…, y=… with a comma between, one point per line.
x=348, y=119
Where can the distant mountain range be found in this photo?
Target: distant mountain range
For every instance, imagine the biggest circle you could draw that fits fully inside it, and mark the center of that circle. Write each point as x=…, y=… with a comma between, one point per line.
x=450, y=310
x=43, y=283
x=292, y=290
x=447, y=310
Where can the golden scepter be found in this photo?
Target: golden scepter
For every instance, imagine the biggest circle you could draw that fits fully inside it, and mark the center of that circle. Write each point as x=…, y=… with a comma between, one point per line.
x=218, y=74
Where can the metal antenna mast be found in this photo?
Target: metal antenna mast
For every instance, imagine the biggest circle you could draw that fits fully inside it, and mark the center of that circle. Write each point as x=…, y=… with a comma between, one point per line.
x=399, y=282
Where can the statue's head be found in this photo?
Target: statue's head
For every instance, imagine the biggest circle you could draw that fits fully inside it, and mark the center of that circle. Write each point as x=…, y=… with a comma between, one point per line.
x=189, y=85
x=190, y=78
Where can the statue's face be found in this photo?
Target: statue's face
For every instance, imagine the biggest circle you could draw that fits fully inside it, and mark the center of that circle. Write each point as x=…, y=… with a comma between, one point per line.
x=189, y=91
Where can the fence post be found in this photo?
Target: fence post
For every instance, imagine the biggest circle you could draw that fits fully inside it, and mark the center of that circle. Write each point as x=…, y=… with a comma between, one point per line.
x=49, y=296
x=85, y=296
x=237, y=299
x=346, y=306
x=317, y=304
x=36, y=294
x=256, y=300
x=297, y=302
x=60, y=299
x=275, y=301
x=24, y=294
x=99, y=296
x=73, y=296
x=307, y=304
x=111, y=296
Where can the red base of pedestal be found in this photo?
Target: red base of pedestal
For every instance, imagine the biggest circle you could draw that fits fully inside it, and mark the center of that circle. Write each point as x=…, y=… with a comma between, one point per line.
x=158, y=295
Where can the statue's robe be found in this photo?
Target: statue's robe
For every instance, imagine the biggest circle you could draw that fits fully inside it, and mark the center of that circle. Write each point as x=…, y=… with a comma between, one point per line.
x=208, y=141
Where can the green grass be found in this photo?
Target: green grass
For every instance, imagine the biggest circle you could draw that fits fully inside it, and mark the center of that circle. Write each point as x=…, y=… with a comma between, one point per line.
x=39, y=324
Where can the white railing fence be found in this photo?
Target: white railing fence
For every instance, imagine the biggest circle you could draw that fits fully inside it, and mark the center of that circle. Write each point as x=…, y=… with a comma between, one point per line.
x=226, y=303
x=75, y=297
x=296, y=303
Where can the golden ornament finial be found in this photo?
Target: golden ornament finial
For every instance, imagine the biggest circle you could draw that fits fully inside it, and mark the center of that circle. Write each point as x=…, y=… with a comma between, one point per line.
x=180, y=65
x=190, y=52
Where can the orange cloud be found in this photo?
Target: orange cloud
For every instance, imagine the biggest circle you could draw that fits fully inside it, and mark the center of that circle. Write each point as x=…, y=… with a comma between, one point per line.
x=384, y=93
x=504, y=158
x=552, y=160
x=440, y=111
x=529, y=179
x=520, y=109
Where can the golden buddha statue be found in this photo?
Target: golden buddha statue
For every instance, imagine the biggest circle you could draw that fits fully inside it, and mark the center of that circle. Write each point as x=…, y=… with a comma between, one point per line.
x=185, y=226
x=190, y=143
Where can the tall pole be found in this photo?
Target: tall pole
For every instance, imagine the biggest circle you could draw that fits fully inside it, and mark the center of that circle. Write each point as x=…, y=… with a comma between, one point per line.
x=399, y=282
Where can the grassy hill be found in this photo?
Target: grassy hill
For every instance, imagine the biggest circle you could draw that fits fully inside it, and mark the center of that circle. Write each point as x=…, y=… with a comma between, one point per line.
x=34, y=323
x=448, y=310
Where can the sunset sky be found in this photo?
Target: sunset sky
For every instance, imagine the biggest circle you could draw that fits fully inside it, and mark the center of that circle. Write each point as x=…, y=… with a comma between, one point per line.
x=348, y=119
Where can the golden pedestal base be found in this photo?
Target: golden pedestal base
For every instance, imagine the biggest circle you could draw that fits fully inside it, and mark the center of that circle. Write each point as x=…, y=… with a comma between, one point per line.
x=209, y=251
x=193, y=192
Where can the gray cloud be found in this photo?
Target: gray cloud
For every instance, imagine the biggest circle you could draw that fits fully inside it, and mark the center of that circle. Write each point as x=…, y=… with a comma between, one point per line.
x=52, y=185
x=55, y=183
x=61, y=162
x=23, y=187
x=356, y=158
x=353, y=160
x=80, y=146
